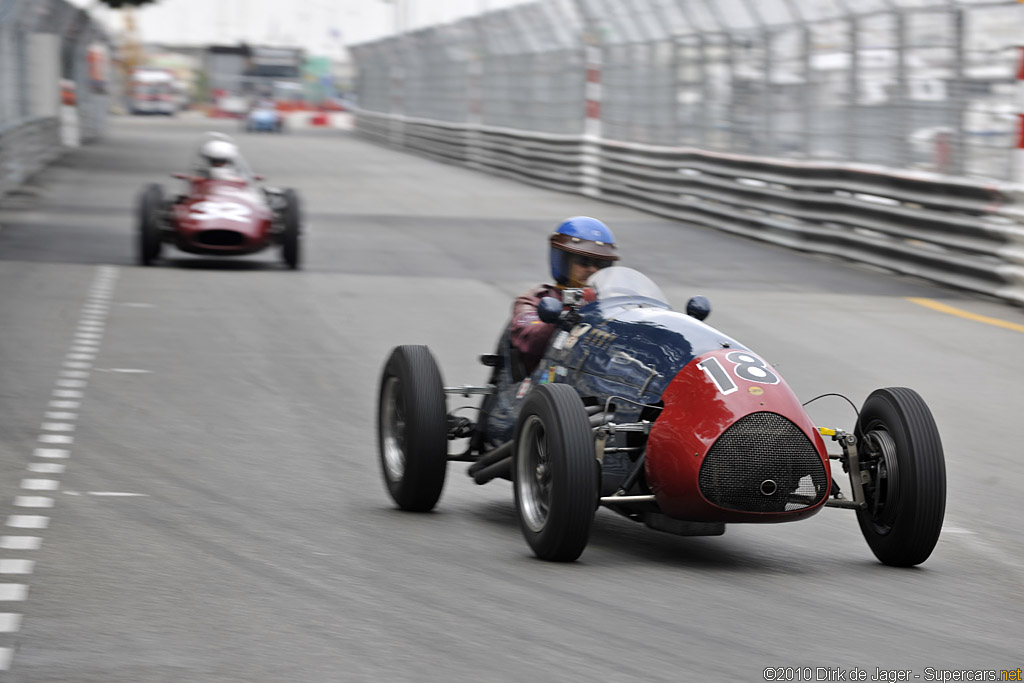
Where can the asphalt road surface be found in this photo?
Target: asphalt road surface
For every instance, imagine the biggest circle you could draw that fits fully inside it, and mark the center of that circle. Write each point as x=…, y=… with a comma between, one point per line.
x=188, y=459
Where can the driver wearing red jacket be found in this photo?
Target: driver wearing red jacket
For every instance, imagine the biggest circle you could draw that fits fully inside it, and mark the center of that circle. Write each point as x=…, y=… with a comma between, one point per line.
x=580, y=246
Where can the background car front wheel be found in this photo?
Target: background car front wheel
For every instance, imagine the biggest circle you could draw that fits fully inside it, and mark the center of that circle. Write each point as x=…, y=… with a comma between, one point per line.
x=899, y=444
x=291, y=238
x=149, y=240
x=554, y=473
x=412, y=428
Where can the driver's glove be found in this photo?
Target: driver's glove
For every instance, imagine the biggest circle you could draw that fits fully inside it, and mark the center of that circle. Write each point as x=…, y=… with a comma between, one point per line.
x=568, y=318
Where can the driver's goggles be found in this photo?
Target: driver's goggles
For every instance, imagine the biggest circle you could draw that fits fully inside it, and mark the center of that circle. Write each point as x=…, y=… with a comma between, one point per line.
x=590, y=262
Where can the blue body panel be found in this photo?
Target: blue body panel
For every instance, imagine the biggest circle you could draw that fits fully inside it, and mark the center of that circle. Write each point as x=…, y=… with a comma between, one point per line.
x=627, y=347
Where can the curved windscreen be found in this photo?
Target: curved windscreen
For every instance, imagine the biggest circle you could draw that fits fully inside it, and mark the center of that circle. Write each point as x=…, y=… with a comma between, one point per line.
x=618, y=281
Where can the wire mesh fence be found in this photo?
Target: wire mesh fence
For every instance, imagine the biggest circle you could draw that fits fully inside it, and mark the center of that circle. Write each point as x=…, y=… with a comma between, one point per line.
x=925, y=84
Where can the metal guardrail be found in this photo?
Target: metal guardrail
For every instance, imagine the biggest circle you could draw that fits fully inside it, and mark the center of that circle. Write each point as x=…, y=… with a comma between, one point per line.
x=26, y=149
x=956, y=231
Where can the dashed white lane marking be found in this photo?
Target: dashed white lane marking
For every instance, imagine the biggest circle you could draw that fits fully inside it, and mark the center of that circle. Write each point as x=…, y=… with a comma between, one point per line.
x=16, y=566
x=955, y=530
x=67, y=393
x=74, y=374
x=130, y=371
x=46, y=467
x=106, y=493
x=136, y=305
x=116, y=493
x=51, y=453
x=28, y=522
x=72, y=379
x=56, y=438
x=9, y=622
x=33, y=502
x=10, y=592
x=40, y=484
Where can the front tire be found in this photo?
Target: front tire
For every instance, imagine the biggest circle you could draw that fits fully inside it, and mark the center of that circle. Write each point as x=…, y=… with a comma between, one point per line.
x=906, y=491
x=291, y=238
x=554, y=473
x=412, y=428
x=149, y=240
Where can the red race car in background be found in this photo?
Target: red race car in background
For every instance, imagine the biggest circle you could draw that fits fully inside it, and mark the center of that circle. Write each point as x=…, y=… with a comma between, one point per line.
x=225, y=211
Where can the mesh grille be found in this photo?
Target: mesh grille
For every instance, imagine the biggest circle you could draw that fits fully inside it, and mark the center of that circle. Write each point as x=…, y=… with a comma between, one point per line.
x=763, y=463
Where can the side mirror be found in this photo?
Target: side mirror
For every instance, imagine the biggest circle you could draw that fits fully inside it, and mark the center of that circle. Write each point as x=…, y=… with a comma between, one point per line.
x=181, y=176
x=698, y=307
x=549, y=310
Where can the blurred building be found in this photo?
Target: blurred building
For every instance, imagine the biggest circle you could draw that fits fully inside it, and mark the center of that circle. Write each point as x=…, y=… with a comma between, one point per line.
x=252, y=71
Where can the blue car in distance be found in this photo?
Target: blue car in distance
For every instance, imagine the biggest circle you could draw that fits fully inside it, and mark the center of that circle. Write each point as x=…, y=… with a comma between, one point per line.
x=264, y=118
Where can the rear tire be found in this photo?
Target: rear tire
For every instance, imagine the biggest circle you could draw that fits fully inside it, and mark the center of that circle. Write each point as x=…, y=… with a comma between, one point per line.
x=412, y=428
x=555, y=473
x=291, y=238
x=149, y=239
x=906, y=493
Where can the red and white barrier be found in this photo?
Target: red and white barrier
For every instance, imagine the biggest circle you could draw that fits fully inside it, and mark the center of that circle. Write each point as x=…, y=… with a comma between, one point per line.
x=1018, y=152
x=593, y=92
x=591, y=153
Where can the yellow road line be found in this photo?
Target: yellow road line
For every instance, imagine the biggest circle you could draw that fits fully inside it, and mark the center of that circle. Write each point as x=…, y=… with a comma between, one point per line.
x=943, y=308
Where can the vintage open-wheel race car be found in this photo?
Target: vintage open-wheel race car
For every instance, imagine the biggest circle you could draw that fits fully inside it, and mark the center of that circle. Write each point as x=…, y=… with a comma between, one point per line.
x=227, y=215
x=659, y=417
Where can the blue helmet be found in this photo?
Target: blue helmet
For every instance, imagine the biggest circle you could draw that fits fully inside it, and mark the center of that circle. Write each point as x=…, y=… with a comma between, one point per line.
x=580, y=236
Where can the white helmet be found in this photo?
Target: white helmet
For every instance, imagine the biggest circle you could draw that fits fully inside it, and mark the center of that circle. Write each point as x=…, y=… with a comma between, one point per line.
x=219, y=152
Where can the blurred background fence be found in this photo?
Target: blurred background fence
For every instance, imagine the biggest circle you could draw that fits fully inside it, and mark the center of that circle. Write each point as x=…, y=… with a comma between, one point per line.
x=927, y=84
x=54, y=65
x=882, y=131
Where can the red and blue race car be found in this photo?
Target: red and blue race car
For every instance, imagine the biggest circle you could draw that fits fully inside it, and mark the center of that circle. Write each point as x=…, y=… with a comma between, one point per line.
x=663, y=419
